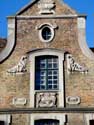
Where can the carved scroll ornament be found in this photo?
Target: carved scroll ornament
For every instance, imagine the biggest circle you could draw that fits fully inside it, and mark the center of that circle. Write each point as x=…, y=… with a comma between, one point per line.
x=46, y=99
x=73, y=66
x=20, y=67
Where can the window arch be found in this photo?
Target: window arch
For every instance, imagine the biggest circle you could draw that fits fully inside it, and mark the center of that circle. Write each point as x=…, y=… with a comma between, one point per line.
x=46, y=72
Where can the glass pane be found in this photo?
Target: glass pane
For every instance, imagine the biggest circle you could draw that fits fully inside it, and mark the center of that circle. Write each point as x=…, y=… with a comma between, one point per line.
x=50, y=66
x=49, y=86
x=43, y=73
x=42, y=66
x=47, y=73
x=46, y=33
x=55, y=72
x=50, y=72
x=42, y=87
x=55, y=77
x=55, y=66
x=50, y=82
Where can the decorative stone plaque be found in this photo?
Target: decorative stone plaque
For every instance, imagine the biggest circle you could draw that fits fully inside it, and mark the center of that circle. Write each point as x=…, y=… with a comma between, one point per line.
x=46, y=6
x=73, y=100
x=46, y=99
x=19, y=101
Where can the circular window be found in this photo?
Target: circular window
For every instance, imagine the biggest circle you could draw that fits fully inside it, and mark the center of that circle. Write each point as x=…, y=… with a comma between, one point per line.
x=46, y=33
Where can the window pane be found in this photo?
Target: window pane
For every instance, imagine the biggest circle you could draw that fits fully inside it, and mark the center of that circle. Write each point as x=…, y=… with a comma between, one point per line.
x=50, y=66
x=47, y=72
x=46, y=33
x=55, y=65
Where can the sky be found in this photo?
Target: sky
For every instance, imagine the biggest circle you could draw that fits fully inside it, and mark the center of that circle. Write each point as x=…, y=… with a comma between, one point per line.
x=10, y=7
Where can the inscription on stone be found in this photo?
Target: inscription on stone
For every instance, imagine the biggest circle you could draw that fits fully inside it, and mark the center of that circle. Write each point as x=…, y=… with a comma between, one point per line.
x=19, y=101
x=73, y=100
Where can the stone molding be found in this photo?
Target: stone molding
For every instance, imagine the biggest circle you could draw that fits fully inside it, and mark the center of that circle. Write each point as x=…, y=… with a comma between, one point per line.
x=47, y=16
x=52, y=28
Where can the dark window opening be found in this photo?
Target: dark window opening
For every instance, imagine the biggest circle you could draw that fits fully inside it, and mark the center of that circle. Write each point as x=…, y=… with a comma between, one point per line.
x=47, y=122
x=46, y=73
x=91, y=122
x=46, y=33
x=2, y=123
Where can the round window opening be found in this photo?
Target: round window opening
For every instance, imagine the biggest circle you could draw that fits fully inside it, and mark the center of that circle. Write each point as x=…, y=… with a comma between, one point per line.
x=47, y=34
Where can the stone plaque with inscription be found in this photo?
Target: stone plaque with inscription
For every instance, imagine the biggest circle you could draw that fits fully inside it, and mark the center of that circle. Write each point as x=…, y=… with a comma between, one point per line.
x=19, y=101
x=73, y=100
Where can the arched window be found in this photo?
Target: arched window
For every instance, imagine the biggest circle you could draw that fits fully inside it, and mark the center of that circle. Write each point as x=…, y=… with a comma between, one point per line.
x=46, y=73
x=47, y=122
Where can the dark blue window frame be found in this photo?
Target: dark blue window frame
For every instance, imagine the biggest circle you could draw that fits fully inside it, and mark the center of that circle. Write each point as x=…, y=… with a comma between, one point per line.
x=46, y=73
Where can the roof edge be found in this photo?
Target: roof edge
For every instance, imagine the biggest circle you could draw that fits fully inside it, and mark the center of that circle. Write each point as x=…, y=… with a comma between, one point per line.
x=26, y=6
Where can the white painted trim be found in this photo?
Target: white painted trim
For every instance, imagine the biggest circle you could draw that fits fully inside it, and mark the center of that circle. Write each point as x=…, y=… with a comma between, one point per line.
x=82, y=40
x=88, y=117
x=6, y=119
x=47, y=16
x=52, y=33
x=32, y=74
x=10, y=40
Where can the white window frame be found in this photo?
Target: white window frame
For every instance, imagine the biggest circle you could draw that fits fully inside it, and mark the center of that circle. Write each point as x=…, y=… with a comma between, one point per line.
x=52, y=33
x=54, y=116
x=88, y=117
x=60, y=56
x=6, y=119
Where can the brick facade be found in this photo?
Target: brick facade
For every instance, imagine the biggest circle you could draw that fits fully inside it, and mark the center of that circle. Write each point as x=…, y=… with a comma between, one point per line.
x=27, y=39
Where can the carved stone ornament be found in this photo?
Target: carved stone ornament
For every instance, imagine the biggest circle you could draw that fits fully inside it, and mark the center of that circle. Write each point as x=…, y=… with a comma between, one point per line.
x=46, y=6
x=20, y=67
x=19, y=101
x=73, y=100
x=46, y=99
x=73, y=66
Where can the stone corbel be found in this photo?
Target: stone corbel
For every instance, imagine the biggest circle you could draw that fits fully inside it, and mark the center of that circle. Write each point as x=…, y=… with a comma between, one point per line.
x=20, y=67
x=73, y=66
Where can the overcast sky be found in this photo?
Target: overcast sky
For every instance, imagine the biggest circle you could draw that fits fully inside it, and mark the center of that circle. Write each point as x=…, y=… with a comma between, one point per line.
x=10, y=7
